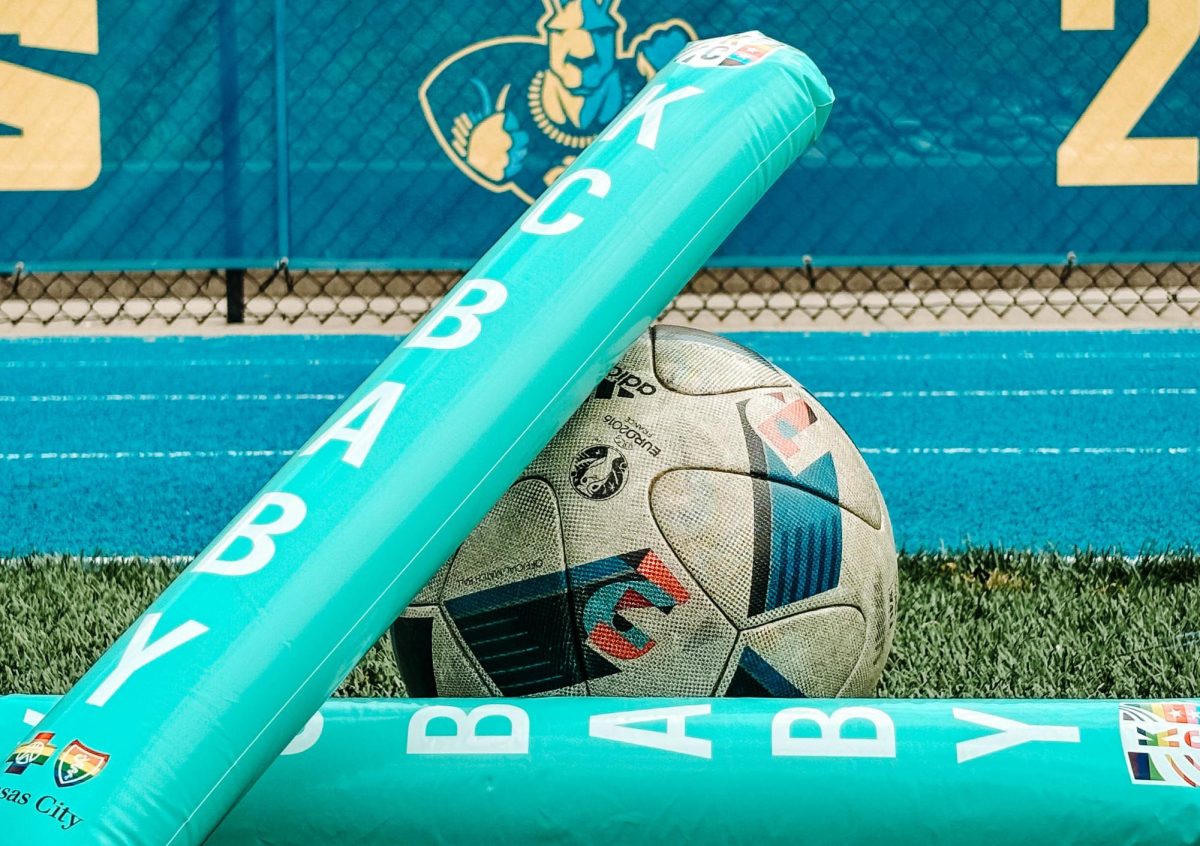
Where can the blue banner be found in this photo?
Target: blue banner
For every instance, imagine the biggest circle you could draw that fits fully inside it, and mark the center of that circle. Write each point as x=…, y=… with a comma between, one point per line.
x=355, y=133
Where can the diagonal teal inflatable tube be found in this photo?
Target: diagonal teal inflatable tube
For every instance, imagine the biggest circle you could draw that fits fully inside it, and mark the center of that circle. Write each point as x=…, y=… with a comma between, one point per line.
x=741, y=772
x=162, y=736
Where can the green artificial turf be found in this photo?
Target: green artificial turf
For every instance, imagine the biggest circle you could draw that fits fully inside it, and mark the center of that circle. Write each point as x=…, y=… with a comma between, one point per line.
x=976, y=623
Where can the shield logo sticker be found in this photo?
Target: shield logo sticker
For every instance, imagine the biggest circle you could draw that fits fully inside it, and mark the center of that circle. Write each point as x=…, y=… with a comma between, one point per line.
x=77, y=764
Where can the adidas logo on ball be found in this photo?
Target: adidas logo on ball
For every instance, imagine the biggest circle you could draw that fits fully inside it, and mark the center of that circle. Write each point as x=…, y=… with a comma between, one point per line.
x=623, y=384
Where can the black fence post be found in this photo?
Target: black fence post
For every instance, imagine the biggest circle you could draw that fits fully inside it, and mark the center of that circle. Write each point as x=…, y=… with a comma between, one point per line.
x=1067, y=269
x=11, y=281
x=235, y=295
x=231, y=154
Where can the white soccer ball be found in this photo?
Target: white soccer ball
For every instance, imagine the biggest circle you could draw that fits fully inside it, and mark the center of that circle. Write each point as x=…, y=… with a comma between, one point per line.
x=701, y=526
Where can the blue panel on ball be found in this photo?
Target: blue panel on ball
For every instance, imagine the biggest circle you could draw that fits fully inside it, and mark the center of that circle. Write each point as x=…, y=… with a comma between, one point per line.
x=806, y=546
x=755, y=677
x=517, y=632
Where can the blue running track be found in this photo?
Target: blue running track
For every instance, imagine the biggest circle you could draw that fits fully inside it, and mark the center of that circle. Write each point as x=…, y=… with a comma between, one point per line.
x=123, y=446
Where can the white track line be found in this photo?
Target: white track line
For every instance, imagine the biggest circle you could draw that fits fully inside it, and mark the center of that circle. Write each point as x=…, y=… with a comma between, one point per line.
x=1045, y=450
x=1011, y=393
x=1164, y=355
x=55, y=398
x=151, y=363
x=103, y=560
x=927, y=394
x=924, y=450
x=151, y=454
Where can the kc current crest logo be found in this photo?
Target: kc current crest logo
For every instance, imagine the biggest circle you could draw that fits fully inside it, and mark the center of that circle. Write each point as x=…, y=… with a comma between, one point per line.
x=512, y=112
x=78, y=764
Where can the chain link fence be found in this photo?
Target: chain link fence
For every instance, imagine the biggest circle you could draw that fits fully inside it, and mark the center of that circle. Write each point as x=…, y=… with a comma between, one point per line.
x=324, y=130
x=734, y=298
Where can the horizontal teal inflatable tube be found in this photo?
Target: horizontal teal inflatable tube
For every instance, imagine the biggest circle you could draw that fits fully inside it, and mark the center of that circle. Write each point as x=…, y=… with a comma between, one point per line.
x=743, y=772
x=162, y=736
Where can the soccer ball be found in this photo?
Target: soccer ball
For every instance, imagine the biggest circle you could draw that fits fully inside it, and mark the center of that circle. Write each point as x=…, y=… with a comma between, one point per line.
x=701, y=526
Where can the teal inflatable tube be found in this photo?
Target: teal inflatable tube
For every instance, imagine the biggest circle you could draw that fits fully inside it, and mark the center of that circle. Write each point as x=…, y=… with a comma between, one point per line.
x=742, y=772
x=161, y=737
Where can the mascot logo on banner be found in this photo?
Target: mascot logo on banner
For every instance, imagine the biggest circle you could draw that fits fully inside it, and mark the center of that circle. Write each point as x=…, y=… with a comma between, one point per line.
x=513, y=112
